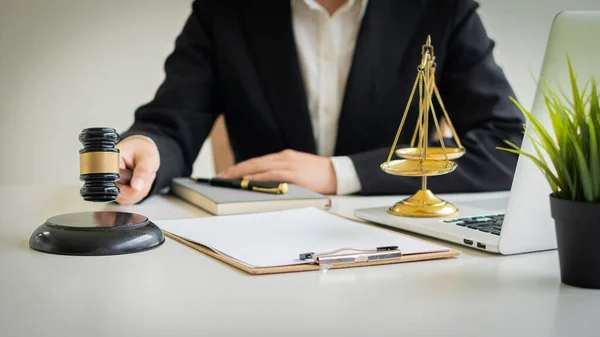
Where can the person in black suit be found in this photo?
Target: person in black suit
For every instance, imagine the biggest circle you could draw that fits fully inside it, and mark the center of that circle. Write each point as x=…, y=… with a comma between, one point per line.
x=313, y=91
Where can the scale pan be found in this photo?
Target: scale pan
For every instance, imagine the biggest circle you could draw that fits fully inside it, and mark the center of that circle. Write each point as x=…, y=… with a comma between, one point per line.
x=433, y=153
x=418, y=168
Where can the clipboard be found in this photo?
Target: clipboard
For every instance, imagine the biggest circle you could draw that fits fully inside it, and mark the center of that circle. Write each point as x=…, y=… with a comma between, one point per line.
x=310, y=267
x=186, y=232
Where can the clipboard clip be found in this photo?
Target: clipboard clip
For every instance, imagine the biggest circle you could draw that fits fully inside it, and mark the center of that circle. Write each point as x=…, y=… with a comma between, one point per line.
x=357, y=255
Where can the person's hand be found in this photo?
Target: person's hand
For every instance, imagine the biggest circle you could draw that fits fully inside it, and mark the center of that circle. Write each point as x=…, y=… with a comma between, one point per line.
x=303, y=169
x=138, y=166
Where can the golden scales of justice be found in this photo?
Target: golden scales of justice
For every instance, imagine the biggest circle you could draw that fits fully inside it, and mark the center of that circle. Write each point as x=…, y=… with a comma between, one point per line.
x=420, y=160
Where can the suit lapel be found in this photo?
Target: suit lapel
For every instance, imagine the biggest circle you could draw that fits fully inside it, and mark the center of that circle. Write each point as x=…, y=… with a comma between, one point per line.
x=271, y=41
x=386, y=30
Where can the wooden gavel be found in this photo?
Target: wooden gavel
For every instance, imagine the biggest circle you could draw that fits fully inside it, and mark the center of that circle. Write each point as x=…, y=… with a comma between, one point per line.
x=99, y=164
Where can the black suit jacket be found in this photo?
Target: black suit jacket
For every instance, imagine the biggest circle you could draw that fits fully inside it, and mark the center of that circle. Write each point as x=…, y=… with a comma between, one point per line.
x=239, y=58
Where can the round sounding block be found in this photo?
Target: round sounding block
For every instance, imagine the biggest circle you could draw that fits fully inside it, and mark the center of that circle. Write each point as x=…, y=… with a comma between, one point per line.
x=96, y=233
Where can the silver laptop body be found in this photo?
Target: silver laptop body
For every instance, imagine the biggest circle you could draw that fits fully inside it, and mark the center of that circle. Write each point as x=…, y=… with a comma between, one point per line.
x=527, y=225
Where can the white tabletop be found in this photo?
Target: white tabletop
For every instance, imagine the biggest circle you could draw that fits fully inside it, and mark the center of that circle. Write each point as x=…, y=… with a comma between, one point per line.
x=177, y=291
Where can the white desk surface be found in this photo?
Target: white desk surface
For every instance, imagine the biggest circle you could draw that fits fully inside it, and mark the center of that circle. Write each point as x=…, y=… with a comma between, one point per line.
x=177, y=291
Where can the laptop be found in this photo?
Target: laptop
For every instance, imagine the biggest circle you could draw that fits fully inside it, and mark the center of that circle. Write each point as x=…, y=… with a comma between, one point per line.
x=519, y=221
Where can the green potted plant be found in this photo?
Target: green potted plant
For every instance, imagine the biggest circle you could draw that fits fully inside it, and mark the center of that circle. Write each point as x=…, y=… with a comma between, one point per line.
x=569, y=157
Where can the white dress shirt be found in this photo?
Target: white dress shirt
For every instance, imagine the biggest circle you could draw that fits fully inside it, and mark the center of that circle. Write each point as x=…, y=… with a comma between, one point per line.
x=325, y=45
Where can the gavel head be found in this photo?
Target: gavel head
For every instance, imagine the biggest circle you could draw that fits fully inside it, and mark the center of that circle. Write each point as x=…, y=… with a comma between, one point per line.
x=99, y=164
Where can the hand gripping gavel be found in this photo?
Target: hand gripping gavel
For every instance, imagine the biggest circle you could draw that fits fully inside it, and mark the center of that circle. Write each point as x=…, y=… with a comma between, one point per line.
x=101, y=232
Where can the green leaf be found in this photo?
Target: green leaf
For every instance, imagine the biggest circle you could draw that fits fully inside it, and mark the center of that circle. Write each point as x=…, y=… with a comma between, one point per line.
x=584, y=172
x=594, y=125
x=563, y=127
x=554, y=183
x=577, y=103
x=569, y=154
x=545, y=169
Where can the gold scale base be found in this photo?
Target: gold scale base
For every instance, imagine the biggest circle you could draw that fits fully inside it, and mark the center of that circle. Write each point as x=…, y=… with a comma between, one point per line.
x=423, y=204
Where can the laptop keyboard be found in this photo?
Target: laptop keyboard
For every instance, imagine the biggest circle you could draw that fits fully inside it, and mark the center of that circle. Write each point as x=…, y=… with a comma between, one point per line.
x=488, y=223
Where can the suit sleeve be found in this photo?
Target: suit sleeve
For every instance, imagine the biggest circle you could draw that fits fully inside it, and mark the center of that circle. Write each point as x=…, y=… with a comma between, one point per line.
x=185, y=106
x=476, y=94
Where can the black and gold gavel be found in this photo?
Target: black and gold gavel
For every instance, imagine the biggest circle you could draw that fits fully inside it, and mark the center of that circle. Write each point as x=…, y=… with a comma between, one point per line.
x=99, y=164
x=102, y=232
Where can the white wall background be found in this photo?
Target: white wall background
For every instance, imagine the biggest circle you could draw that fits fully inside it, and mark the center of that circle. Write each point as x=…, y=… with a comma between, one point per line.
x=70, y=64
x=520, y=29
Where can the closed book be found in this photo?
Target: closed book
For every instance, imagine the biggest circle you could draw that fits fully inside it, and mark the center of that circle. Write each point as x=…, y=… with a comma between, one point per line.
x=223, y=200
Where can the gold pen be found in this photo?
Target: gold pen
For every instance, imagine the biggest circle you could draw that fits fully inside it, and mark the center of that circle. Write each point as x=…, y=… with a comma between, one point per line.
x=258, y=186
